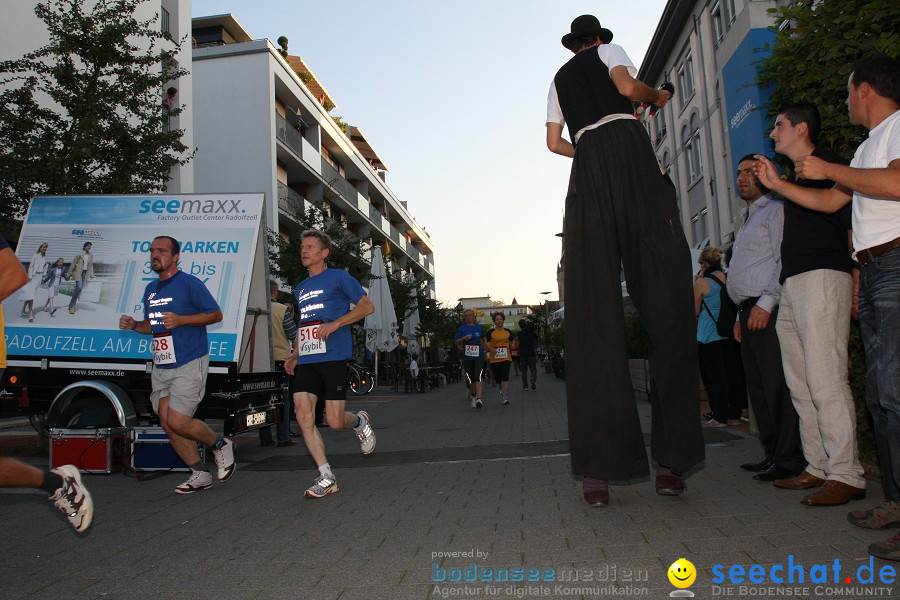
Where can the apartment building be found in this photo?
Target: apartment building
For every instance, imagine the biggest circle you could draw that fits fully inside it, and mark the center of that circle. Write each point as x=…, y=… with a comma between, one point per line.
x=261, y=125
x=22, y=32
x=708, y=49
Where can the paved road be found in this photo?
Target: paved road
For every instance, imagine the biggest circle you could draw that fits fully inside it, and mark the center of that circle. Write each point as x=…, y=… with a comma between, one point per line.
x=449, y=493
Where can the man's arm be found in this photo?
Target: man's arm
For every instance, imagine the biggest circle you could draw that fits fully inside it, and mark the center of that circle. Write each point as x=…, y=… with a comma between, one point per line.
x=829, y=201
x=171, y=320
x=363, y=307
x=12, y=273
x=635, y=90
x=556, y=143
x=128, y=322
x=878, y=183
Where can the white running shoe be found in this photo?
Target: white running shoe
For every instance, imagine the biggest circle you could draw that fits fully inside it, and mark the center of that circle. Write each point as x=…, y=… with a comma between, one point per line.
x=477, y=403
x=225, y=461
x=365, y=434
x=505, y=400
x=712, y=423
x=323, y=486
x=73, y=498
x=199, y=480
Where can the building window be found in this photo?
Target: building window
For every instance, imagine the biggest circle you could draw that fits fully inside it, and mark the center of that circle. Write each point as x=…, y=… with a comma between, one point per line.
x=699, y=229
x=686, y=79
x=718, y=23
x=691, y=142
x=729, y=13
x=164, y=21
x=667, y=163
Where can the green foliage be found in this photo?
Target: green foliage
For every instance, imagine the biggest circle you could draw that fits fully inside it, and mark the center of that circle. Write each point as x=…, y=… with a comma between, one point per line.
x=440, y=320
x=813, y=57
x=283, y=44
x=305, y=77
x=105, y=130
x=340, y=123
x=556, y=337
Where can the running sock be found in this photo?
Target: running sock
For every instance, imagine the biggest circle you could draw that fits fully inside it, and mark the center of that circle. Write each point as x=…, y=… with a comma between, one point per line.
x=220, y=443
x=51, y=483
x=326, y=470
x=595, y=485
x=359, y=421
x=197, y=466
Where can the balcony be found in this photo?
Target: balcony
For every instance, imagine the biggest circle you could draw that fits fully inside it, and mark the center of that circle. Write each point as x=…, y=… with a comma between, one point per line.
x=291, y=138
x=335, y=181
x=289, y=200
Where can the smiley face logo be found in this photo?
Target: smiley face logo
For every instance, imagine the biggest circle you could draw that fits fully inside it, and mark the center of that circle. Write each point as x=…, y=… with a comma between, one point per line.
x=682, y=573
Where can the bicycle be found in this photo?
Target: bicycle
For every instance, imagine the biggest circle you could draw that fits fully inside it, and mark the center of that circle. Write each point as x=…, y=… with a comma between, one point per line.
x=359, y=379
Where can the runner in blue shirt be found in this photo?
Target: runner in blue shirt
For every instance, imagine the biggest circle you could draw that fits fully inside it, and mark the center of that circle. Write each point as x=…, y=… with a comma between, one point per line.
x=469, y=339
x=177, y=309
x=323, y=346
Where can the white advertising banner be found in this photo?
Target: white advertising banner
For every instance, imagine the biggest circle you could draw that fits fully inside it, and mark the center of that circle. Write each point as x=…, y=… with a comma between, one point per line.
x=98, y=264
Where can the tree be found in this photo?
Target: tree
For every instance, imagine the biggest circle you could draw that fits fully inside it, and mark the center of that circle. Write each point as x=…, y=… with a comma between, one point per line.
x=813, y=54
x=105, y=129
x=284, y=252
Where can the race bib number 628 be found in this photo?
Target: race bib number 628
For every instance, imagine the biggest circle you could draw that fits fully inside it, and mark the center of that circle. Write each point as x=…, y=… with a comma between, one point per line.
x=163, y=349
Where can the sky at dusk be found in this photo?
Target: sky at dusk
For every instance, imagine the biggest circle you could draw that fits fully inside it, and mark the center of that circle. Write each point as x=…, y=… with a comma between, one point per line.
x=452, y=96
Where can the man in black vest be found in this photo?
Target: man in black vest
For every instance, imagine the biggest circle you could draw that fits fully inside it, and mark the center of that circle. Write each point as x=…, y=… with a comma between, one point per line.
x=621, y=211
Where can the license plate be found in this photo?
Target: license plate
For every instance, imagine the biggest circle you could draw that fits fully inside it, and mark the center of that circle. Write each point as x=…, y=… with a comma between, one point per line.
x=256, y=419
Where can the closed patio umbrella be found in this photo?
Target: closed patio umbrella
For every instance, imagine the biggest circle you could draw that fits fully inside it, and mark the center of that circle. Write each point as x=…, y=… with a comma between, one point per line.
x=381, y=325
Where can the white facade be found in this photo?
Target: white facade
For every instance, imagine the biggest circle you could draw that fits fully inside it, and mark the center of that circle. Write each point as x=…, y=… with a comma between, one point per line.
x=695, y=44
x=260, y=129
x=22, y=32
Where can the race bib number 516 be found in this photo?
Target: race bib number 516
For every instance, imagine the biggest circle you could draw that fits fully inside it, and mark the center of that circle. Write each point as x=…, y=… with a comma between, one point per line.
x=307, y=343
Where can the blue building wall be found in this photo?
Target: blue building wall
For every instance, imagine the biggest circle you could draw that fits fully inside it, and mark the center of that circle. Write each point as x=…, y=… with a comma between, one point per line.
x=745, y=101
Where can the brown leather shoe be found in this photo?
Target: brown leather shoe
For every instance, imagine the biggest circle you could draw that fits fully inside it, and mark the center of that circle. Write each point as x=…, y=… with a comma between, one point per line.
x=833, y=493
x=803, y=481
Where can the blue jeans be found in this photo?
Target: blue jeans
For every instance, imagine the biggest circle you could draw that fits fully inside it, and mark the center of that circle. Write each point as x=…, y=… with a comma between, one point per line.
x=524, y=363
x=79, y=285
x=879, y=323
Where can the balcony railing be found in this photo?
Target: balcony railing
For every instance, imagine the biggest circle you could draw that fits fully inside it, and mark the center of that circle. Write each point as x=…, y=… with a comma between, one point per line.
x=285, y=132
x=289, y=199
x=334, y=179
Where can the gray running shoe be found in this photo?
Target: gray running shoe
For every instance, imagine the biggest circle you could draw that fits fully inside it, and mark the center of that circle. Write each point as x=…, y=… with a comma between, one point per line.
x=364, y=433
x=323, y=486
x=73, y=498
x=199, y=480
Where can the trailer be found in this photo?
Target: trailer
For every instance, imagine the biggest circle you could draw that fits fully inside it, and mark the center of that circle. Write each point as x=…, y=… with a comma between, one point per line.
x=74, y=366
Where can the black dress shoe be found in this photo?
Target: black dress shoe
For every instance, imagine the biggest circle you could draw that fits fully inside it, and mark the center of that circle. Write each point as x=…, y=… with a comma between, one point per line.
x=774, y=472
x=763, y=465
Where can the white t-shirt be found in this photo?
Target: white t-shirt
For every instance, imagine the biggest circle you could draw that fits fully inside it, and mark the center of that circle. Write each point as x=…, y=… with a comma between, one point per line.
x=876, y=220
x=612, y=56
x=414, y=368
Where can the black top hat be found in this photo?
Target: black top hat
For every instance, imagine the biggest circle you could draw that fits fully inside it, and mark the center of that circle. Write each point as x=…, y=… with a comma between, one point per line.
x=586, y=25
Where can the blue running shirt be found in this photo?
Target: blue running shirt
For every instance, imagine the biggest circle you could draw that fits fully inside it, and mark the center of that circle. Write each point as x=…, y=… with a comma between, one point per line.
x=182, y=294
x=324, y=298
